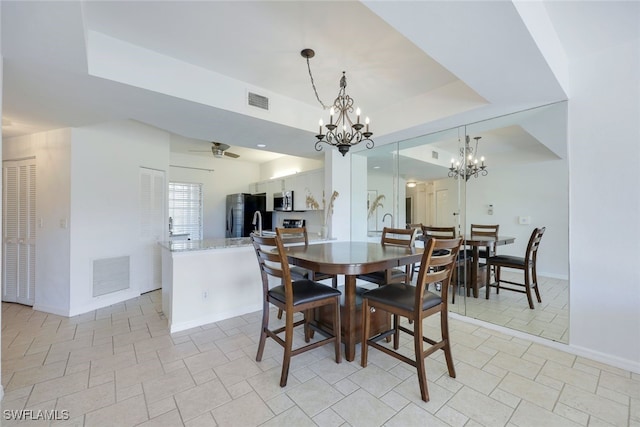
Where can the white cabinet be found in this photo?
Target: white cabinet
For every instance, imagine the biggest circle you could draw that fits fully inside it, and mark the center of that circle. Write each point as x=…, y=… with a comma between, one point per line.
x=269, y=187
x=306, y=187
x=303, y=184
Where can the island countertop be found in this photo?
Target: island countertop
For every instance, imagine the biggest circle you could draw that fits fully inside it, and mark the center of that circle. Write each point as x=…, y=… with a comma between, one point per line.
x=203, y=245
x=220, y=243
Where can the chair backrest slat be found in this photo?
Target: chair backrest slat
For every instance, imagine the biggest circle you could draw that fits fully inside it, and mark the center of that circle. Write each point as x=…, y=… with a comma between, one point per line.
x=293, y=235
x=439, y=232
x=399, y=236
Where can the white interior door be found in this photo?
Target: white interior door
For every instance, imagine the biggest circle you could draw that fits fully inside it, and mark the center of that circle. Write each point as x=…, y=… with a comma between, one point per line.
x=19, y=231
x=152, y=225
x=444, y=216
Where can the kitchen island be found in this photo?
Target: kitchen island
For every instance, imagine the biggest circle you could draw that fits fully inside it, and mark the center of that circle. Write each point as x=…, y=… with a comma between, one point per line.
x=205, y=281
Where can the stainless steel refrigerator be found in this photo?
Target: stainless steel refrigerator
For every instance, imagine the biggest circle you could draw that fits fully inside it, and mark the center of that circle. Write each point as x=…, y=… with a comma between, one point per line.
x=241, y=208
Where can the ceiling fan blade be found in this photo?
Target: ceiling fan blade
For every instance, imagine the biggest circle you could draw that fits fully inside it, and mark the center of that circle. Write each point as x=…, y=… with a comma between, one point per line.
x=199, y=151
x=232, y=155
x=221, y=146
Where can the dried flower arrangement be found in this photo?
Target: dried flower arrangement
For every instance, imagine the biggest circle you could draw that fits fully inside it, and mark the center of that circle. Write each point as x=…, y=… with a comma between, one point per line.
x=375, y=204
x=311, y=201
x=329, y=210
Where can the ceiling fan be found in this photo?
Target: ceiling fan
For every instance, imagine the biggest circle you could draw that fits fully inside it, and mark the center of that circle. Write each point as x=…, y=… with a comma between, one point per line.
x=219, y=150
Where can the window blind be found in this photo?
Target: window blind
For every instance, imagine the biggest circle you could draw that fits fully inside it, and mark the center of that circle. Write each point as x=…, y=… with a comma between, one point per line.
x=185, y=208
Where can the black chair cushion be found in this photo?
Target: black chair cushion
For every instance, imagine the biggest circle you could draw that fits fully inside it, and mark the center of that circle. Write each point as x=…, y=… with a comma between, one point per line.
x=304, y=291
x=380, y=277
x=299, y=273
x=402, y=296
x=507, y=261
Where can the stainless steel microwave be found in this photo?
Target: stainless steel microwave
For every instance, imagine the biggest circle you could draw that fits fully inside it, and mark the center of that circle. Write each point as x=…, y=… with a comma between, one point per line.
x=283, y=201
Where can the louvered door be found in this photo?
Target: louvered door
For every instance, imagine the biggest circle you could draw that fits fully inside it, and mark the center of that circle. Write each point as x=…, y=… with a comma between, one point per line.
x=152, y=225
x=19, y=231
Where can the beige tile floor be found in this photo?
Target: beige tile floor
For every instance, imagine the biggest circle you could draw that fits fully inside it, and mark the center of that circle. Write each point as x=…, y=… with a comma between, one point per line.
x=119, y=366
x=549, y=319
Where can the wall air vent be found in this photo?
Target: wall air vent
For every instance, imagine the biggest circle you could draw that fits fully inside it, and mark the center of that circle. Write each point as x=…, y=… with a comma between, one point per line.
x=259, y=101
x=434, y=155
x=110, y=275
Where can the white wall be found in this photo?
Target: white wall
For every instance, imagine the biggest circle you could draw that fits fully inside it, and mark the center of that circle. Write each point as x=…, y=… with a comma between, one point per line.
x=52, y=152
x=604, y=151
x=288, y=163
x=229, y=176
x=538, y=190
x=105, y=203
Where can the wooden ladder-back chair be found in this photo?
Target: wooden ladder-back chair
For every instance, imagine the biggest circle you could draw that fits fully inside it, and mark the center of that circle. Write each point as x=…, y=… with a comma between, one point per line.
x=292, y=297
x=526, y=264
x=415, y=303
x=297, y=236
x=484, y=230
x=448, y=233
x=395, y=237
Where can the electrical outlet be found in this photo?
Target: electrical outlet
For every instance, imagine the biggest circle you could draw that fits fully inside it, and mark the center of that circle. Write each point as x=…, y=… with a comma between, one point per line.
x=205, y=294
x=524, y=220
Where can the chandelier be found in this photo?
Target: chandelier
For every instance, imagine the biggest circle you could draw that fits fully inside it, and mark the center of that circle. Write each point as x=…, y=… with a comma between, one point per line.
x=341, y=131
x=468, y=166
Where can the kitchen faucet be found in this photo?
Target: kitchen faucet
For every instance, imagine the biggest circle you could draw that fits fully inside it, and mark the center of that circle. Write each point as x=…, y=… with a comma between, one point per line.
x=385, y=216
x=257, y=215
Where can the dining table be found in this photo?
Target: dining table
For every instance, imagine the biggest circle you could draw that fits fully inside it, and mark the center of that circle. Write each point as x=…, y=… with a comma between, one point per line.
x=476, y=242
x=351, y=258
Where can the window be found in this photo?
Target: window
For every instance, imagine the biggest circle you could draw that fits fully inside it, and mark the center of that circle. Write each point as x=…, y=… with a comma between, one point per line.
x=185, y=209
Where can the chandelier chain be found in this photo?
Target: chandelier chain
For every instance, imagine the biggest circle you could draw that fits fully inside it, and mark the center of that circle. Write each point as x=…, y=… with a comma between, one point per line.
x=313, y=84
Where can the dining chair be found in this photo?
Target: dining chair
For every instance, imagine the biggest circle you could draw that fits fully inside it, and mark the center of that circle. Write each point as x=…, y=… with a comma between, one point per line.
x=301, y=296
x=483, y=230
x=526, y=264
x=297, y=236
x=462, y=260
x=393, y=237
x=415, y=303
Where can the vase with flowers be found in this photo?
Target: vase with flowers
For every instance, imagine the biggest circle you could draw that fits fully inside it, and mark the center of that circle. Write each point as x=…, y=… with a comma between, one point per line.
x=328, y=213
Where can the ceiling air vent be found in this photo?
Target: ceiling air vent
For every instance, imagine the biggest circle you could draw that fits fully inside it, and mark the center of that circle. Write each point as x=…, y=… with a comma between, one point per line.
x=434, y=155
x=258, y=101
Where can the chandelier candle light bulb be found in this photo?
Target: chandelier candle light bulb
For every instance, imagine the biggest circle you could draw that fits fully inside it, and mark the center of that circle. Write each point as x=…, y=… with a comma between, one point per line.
x=469, y=167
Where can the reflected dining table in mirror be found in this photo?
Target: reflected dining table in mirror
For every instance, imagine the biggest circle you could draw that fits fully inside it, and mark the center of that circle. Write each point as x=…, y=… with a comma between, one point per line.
x=476, y=242
x=351, y=259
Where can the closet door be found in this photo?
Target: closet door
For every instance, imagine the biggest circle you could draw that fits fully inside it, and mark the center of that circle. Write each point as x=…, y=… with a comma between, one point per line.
x=19, y=231
x=153, y=226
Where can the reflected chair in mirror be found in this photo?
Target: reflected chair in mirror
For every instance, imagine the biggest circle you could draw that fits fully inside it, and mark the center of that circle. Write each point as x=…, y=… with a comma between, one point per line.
x=301, y=296
x=527, y=265
x=394, y=237
x=415, y=303
x=485, y=230
x=418, y=228
x=298, y=236
x=462, y=260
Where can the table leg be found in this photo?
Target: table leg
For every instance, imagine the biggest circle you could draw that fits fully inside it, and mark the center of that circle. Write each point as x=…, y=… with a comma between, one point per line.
x=474, y=271
x=349, y=320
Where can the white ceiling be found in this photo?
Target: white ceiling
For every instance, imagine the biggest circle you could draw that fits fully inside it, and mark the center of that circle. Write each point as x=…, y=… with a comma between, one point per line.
x=186, y=66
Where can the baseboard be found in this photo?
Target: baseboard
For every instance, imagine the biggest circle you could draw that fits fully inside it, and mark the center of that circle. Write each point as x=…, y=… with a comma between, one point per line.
x=627, y=365
x=212, y=318
x=50, y=309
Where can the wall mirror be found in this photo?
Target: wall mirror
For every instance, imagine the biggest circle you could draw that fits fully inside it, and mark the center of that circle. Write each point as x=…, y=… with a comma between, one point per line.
x=526, y=186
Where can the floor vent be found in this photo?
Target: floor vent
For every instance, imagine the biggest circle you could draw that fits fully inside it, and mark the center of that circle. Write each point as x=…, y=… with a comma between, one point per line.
x=259, y=101
x=110, y=275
